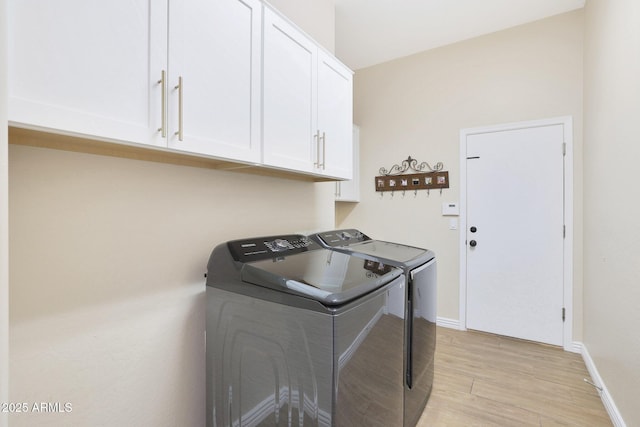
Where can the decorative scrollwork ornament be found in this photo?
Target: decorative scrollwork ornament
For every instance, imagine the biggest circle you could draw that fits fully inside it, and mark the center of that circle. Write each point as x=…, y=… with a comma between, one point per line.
x=411, y=164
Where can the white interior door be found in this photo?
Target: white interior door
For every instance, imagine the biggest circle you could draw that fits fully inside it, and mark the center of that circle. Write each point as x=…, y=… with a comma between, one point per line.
x=514, y=232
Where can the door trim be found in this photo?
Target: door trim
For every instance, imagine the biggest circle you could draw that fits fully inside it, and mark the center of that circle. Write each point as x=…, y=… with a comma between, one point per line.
x=567, y=123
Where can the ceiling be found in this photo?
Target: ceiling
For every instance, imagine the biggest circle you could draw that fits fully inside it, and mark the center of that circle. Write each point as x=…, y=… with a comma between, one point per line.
x=370, y=32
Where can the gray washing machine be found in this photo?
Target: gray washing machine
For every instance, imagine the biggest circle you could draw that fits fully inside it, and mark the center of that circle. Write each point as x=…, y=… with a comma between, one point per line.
x=299, y=335
x=419, y=268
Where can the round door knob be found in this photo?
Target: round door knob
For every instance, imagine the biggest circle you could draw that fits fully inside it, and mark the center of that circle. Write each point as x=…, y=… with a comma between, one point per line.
x=473, y=243
x=473, y=229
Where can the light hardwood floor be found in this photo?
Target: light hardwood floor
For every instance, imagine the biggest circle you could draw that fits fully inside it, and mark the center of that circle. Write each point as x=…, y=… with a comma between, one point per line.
x=489, y=380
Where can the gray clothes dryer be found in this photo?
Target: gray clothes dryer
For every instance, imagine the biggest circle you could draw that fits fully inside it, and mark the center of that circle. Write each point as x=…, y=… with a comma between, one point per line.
x=299, y=335
x=420, y=304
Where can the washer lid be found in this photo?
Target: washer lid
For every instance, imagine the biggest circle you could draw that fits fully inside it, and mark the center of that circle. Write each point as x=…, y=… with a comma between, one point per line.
x=330, y=277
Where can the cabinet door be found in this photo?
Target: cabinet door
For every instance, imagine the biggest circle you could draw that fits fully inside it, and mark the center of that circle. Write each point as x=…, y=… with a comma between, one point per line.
x=289, y=103
x=214, y=47
x=335, y=100
x=349, y=191
x=87, y=67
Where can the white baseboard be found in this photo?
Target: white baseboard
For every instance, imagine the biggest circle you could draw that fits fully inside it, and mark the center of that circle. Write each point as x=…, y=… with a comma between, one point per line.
x=607, y=400
x=575, y=347
x=448, y=323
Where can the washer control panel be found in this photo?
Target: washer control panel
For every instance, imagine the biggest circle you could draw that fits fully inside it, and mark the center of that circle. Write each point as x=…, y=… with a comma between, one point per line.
x=341, y=237
x=254, y=249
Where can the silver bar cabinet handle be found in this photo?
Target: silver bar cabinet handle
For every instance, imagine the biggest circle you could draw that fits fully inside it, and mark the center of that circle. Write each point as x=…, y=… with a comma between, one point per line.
x=324, y=150
x=163, y=82
x=317, y=139
x=180, y=131
x=322, y=138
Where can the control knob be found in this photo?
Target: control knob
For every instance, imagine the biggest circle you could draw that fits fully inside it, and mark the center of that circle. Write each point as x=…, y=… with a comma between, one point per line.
x=281, y=244
x=345, y=235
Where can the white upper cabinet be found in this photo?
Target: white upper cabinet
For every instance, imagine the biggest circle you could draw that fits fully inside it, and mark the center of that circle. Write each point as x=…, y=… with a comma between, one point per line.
x=227, y=79
x=307, y=104
x=289, y=103
x=335, y=100
x=214, y=78
x=110, y=70
x=87, y=67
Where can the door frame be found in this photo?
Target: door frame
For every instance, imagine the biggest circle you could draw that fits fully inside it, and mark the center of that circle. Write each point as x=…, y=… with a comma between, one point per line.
x=567, y=294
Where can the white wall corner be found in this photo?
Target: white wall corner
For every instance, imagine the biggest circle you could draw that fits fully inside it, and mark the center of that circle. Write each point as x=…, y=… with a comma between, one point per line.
x=607, y=399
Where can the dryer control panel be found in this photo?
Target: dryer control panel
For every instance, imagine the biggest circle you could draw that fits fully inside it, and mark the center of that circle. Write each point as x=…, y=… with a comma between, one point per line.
x=344, y=237
x=255, y=249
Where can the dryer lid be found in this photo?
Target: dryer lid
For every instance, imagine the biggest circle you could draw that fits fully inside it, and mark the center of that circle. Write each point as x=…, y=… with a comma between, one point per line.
x=390, y=251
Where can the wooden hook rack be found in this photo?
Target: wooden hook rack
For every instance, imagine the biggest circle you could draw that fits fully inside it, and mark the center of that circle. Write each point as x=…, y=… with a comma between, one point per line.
x=397, y=178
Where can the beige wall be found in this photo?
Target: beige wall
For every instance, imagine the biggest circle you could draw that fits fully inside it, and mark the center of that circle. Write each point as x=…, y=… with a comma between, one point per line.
x=107, y=264
x=611, y=203
x=107, y=259
x=417, y=105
